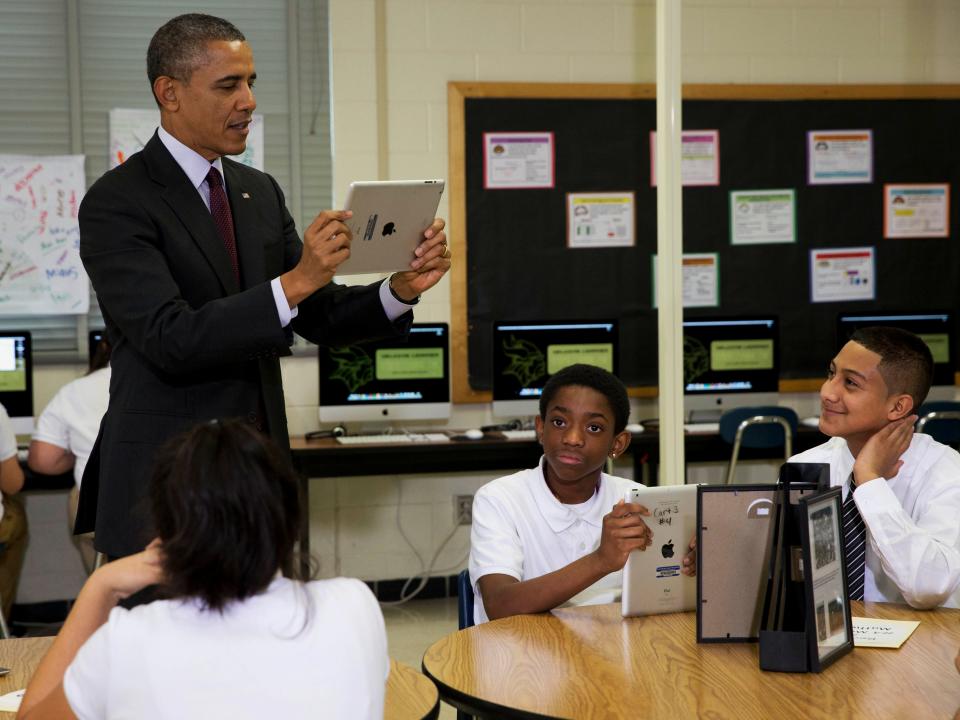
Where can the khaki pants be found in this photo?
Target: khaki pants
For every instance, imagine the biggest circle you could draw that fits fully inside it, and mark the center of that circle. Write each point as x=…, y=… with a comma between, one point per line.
x=13, y=534
x=84, y=543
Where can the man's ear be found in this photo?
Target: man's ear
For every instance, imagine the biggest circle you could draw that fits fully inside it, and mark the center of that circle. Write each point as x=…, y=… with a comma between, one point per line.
x=165, y=91
x=901, y=406
x=538, y=426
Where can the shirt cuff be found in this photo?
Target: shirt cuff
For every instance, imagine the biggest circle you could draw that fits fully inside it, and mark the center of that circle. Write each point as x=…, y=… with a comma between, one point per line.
x=874, y=498
x=391, y=306
x=284, y=310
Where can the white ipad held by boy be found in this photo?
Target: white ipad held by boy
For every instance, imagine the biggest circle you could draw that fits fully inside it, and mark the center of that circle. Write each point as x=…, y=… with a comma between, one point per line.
x=652, y=579
x=389, y=219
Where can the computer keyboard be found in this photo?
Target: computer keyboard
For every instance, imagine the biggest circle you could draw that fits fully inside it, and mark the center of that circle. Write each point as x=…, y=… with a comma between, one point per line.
x=520, y=434
x=702, y=427
x=392, y=438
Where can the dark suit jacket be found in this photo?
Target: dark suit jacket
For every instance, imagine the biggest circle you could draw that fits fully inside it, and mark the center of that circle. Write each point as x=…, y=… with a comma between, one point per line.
x=189, y=343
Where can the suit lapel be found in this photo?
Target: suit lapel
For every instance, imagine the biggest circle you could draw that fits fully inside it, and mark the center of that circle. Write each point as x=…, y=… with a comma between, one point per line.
x=187, y=204
x=249, y=245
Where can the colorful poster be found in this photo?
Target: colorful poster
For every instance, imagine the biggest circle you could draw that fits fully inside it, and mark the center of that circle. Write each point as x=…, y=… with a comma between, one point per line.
x=841, y=274
x=836, y=157
x=40, y=268
x=701, y=279
x=699, y=158
x=131, y=129
x=761, y=217
x=916, y=210
x=518, y=160
x=600, y=220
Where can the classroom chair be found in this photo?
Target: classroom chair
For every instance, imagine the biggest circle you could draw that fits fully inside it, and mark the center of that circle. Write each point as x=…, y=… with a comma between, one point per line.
x=757, y=427
x=941, y=421
x=464, y=600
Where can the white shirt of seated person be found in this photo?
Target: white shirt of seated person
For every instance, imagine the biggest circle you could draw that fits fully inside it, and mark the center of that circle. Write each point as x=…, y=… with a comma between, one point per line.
x=520, y=529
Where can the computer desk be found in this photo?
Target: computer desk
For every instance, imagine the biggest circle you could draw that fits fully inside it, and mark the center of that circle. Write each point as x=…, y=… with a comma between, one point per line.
x=326, y=458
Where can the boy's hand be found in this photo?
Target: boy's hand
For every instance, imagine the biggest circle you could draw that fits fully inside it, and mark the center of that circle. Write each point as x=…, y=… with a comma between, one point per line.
x=880, y=456
x=623, y=531
x=689, y=565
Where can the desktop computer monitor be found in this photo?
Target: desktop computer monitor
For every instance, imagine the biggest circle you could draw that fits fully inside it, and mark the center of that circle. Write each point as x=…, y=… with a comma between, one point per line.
x=16, y=379
x=935, y=329
x=526, y=354
x=729, y=362
x=405, y=378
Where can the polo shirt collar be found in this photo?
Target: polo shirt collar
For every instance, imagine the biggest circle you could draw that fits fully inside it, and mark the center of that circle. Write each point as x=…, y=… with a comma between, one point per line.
x=560, y=517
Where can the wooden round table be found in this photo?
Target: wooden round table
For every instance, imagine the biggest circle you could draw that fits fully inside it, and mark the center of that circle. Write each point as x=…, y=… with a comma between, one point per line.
x=589, y=662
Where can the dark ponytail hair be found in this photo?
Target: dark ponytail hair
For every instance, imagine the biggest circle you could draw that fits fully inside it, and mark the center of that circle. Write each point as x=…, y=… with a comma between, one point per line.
x=225, y=504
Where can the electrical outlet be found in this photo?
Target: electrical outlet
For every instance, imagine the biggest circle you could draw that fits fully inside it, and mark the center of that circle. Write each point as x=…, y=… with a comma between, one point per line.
x=462, y=509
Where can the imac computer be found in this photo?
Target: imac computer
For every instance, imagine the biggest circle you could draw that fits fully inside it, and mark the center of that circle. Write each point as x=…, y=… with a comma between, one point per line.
x=729, y=362
x=526, y=354
x=16, y=379
x=406, y=378
x=935, y=329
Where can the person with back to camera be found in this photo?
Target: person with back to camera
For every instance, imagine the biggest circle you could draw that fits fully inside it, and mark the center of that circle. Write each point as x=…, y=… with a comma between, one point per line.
x=66, y=431
x=232, y=638
x=901, y=489
x=547, y=536
x=202, y=277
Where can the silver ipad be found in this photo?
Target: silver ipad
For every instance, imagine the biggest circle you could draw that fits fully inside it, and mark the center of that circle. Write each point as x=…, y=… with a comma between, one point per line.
x=389, y=218
x=652, y=581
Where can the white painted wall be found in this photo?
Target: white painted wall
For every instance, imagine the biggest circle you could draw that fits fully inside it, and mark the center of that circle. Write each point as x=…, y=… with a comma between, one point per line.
x=429, y=42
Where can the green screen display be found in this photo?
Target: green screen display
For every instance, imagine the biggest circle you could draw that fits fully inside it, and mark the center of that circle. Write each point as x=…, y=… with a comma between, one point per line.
x=939, y=344
x=409, y=364
x=561, y=356
x=741, y=354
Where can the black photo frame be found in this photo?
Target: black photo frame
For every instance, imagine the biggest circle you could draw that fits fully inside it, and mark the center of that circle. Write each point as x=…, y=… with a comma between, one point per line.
x=829, y=624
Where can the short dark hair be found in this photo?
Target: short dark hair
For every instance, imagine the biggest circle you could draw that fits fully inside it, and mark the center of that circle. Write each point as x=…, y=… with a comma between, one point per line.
x=604, y=382
x=906, y=363
x=180, y=45
x=225, y=505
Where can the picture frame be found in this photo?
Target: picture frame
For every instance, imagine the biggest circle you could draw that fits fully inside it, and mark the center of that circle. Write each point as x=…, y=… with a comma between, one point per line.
x=829, y=624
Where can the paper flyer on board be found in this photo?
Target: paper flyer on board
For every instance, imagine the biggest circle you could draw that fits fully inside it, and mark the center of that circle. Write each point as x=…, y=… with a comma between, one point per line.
x=837, y=157
x=600, y=220
x=916, y=210
x=518, y=160
x=841, y=274
x=699, y=158
x=701, y=279
x=761, y=217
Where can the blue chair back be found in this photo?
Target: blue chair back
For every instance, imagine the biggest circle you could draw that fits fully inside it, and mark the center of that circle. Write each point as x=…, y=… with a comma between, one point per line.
x=944, y=430
x=464, y=600
x=757, y=436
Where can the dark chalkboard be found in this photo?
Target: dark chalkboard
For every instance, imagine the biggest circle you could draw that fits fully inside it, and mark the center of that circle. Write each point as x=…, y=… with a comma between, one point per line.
x=519, y=268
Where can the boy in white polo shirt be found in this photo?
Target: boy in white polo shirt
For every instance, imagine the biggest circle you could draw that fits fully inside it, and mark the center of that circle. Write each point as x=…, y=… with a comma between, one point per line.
x=561, y=532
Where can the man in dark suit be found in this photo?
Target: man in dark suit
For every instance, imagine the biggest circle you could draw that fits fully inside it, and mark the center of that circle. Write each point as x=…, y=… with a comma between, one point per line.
x=201, y=276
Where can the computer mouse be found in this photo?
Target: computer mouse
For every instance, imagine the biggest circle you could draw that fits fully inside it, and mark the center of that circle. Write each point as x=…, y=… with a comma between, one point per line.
x=634, y=428
x=473, y=434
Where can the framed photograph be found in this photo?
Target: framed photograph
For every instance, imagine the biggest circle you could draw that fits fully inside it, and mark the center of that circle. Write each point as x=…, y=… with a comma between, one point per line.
x=829, y=627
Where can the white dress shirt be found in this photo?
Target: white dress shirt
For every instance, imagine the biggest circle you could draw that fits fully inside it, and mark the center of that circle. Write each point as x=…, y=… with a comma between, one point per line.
x=913, y=522
x=196, y=168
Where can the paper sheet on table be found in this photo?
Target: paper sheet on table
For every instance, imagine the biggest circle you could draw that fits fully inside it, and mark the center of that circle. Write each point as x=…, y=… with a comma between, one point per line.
x=11, y=701
x=870, y=632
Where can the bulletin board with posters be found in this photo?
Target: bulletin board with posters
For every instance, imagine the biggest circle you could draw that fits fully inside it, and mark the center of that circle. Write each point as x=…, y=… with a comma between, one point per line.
x=516, y=260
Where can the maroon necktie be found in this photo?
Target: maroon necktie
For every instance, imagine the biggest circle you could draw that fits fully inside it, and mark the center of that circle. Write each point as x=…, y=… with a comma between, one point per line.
x=220, y=209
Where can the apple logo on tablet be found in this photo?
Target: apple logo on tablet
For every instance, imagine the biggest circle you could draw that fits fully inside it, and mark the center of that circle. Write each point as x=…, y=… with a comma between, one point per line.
x=667, y=549
x=389, y=229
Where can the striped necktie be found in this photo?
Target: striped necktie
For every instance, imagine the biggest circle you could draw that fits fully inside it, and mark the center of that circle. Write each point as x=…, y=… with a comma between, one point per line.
x=855, y=542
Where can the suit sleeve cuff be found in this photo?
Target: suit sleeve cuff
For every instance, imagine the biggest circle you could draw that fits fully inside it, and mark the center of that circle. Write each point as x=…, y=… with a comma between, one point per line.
x=284, y=311
x=391, y=306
